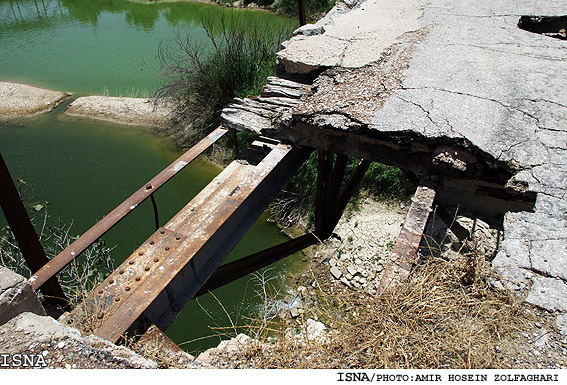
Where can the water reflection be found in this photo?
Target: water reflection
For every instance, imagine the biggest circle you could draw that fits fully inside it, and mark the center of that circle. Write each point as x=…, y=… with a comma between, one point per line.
x=98, y=47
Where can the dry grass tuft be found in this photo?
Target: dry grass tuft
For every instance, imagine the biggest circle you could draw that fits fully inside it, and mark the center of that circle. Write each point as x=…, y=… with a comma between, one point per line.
x=448, y=316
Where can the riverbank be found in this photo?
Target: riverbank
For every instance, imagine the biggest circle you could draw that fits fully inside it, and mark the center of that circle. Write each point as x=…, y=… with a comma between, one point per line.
x=21, y=100
x=17, y=100
x=133, y=111
x=447, y=316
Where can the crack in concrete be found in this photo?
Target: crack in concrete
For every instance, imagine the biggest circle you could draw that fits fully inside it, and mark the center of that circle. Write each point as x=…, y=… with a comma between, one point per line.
x=478, y=97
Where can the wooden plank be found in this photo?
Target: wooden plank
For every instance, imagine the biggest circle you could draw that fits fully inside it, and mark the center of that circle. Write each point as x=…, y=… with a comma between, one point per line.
x=405, y=253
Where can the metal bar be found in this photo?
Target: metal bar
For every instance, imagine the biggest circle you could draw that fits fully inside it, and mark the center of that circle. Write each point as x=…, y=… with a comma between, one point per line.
x=238, y=269
x=404, y=255
x=235, y=139
x=320, y=198
x=25, y=234
x=156, y=215
x=301, y=11
x=111, y=219
x=347, y=194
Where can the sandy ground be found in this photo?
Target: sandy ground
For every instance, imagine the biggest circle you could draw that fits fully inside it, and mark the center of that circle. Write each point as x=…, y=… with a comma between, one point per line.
x=22, y=100
x=137, y=111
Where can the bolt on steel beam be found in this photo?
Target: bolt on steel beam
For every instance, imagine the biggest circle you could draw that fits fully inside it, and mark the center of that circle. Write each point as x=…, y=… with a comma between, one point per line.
x=111, y=219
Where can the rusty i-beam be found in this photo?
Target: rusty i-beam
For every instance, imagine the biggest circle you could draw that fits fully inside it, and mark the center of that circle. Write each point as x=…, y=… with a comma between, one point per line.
x=167, y=270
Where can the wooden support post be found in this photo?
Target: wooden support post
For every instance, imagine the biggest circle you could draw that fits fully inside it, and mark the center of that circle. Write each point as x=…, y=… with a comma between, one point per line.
x=26, y=237
x=301, y=11
x=404, y=255
x=347, y=193
x=320, y=198
x=338, y=175
x=460, y=232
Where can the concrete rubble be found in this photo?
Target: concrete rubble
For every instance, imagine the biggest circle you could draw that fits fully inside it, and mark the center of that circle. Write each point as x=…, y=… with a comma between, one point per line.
x=16, y=296
x=26, y=330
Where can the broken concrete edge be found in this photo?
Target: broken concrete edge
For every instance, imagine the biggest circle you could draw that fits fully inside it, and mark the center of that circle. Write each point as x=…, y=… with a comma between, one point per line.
x=349, y=35
x=25, y=326
x=55, y=345
x=226, y=350
x=533, y=266
x=16, y=296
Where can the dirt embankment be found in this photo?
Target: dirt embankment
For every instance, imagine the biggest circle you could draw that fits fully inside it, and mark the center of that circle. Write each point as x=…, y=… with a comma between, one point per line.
x=139, y=111
x=23, y=100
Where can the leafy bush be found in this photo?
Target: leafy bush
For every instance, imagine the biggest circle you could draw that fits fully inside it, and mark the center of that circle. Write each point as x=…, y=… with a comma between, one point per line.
x=202, y=78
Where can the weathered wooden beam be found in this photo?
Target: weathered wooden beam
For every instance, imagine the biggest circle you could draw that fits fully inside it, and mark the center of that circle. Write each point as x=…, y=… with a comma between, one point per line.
x=347, y=193
x=456, y=228
x=405, y=253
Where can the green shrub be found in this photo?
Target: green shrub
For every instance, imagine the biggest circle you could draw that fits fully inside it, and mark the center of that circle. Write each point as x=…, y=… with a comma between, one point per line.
x=202, y=78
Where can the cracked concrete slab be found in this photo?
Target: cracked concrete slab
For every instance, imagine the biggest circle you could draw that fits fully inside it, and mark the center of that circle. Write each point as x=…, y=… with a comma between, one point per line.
x=447, y=87
x=461, y=73
x=350, y=37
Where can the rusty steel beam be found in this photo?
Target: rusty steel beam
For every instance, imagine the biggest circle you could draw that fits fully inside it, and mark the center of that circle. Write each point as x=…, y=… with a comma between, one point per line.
x=238, y=269
x=234, y=270
x=111, y=219
x=171, y=266
x=405, y=252
x=25, y=235
x=347, y=193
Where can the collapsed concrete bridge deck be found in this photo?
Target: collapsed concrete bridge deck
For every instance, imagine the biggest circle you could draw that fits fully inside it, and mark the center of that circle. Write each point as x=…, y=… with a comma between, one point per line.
x=449, y=88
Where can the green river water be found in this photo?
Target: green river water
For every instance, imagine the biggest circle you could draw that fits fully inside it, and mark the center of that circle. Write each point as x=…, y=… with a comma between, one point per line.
x=85, y=168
